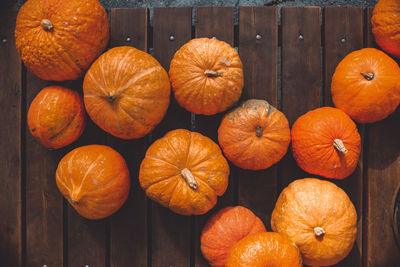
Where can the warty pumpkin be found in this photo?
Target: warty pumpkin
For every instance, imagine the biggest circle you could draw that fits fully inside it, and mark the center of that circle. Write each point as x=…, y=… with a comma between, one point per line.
x=58, y=39
x=56, y=116
x=126, y=92
x=366, y=85
x=266, y=249
x=326, y=142
x=319, y=217
x=206, y=76
x=94, y=179
x=386, y=25
x=184, y=171
x=224, y=229
x=254, y=135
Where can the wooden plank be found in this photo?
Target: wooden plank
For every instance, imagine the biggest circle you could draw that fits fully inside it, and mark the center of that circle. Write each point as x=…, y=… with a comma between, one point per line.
x=128, y=229
x=344, y=34
x=10, y=142
x=171, y=243
x=260, y=65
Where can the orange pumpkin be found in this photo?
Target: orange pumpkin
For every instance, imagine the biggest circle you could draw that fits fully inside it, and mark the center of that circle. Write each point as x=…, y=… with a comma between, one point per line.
x=366, y=85
x=326, y=142
x=224, y=229
x=206, y=76
x=255, y=135
x=264, y=249
x=386, y=25
x=184, y=171
x=58, y=39
x=319, y=217
x=94, y=179
x=56, y=117
x=126, y=92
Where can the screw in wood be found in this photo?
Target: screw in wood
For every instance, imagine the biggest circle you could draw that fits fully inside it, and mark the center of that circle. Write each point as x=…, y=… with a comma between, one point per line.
x=343, y=40
x=301, y=37
x=258, y=37
x=44, y=265
x=4, y=40
x=213, y=37
x=171, y=38
x=128, y=39
x=87, y=265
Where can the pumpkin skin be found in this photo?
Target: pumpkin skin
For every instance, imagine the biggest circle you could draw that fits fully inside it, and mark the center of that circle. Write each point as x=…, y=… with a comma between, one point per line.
x=56, y=117
x=366, y=85
x=184, y=171
x=326, y=142
x=126, y=92
x=255, y=135
x=386, y=25
x=264, y=250
x=224, y=229
x=206, y=76
x=319, y=217
x=58, y=39
x=94, y=179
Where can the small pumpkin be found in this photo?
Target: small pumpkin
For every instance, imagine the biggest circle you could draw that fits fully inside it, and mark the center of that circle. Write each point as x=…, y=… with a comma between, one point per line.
x=319, y=217
x=255, y=135
x=94, y=179
x=264, y=249
x=206, y=76
x=366, y=85
x=126, y=92
x=58, y=39
x=224, y=229
x=184, y=171
x=386, y=25
x=56, y=116
x=326, y=142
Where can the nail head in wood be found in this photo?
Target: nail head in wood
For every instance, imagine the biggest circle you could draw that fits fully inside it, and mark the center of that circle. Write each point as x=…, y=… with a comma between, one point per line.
x=128, y=39
x=343, y=40
x=258, y=37
x=301, y=37
x=4, y=40
x=213, y=37
x=172, y=38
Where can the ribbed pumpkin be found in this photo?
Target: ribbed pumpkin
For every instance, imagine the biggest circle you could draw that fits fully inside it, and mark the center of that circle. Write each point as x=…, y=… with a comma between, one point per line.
x=56, y=116
x=58, y=39
x=94, y=179
x=326, y=142
x=264, y=250
x=126, y=92
x=255, y=135
x=184, y=171
x=206, y=76
x=224, y=229
x=366, y=85
x=386, y=25
x=319, y=217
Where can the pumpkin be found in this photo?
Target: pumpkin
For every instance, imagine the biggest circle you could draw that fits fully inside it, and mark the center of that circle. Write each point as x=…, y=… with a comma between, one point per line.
x=184, y=171
x=264, y=249
x=56, y=116
x=206, y=76
x=386, y=25
x=224, y=229
x=326, y=142
x=126, y=92
x=94, y=179
x=255, y=135
x=319, y=217
x=58, y=39
x=366, y=85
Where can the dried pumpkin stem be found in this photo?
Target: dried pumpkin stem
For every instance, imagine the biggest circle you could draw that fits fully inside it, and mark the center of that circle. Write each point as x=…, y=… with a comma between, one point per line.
x=189, y=178
x=259, y=131
x=338, y=144
x=110, y=98
x=319, y=231
x=368, y=76
x=211, y=73
x=46, y=25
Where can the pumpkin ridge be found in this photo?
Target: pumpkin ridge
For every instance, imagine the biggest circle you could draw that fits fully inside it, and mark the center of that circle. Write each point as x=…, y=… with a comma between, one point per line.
x=67, y=52
x=172, y=194
x=207, y=159
x=38, y=113
x=93, y=79
x=65, y=127
x=133, y=118
x=163, y=161
x=164, y=179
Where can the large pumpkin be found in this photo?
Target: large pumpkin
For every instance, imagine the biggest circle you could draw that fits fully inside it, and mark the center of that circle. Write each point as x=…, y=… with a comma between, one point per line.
x=366, y=85
x=206, y=76
x=224, y=229
x=255, y=135
x=326, y=142
x=126, y=92
x=59, y=39
x=386, y=25
x=184, y=171
x=94, y=179
x=56, y=116
x=319, y=217
x=264, y=249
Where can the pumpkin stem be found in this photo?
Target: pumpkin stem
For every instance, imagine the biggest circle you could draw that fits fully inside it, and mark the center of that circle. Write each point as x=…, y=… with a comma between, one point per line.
x=46, y=25
x=259, y=131
x=211, y=73
x=368, y=76
x=338, y=144
x=319, y=231
x=189, y=178
x=110, y=98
